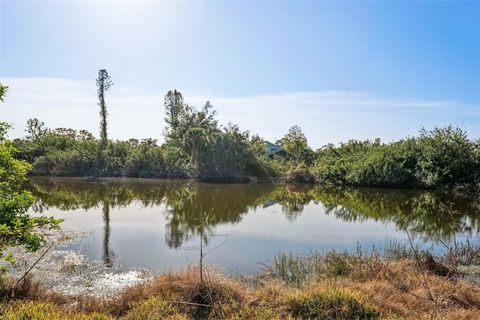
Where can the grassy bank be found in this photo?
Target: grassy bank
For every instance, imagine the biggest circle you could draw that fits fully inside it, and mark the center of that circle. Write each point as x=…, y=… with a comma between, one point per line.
x=399, y=283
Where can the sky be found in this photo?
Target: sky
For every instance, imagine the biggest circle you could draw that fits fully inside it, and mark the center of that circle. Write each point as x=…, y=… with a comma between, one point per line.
x=339, y=70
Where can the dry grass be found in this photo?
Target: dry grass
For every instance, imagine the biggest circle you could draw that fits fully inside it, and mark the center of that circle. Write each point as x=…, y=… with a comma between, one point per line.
x=341, y=287
x=180, y=289
x=402, y=289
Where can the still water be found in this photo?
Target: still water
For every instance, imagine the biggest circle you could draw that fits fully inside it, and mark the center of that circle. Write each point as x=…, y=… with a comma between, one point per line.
x=160, y=224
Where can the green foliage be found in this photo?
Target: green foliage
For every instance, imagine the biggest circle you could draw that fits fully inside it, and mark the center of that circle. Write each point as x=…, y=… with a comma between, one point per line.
x=174, y=108
x=215, y=154
x=17, y=228
x=227, y=156
x=442, y=157
x=37, y=310
x=259, y=164
x=176, y=161
x=332, y=305
x=295, y=143
x=3, y=91
x=144, y=161
x=198, y=148
x=447, y=158
x=154, y=308
x=3, y=130
x=59, y=152
x=35, y=129
x=300, y=173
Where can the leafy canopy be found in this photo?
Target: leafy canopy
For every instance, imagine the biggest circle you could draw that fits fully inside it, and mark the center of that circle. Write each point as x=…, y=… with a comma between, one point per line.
x=17, y=228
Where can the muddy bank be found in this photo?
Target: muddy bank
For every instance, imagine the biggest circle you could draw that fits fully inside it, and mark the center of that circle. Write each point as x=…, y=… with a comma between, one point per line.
x=72, y=273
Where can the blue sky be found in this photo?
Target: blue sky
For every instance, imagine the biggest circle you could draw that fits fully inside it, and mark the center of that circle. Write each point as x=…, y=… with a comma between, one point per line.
x=340, y=70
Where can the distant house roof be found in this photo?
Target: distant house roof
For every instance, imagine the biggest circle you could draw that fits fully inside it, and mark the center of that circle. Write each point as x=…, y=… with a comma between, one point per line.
x=269, y=203
x=273, y=148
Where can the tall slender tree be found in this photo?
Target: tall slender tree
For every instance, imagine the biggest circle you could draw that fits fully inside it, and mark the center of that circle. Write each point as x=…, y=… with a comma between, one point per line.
x=174, y=107
x=104, y=83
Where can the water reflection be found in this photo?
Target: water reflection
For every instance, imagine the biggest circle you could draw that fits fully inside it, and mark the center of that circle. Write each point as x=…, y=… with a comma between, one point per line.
x=194, y=209
x=107, y=254
x=429, y=214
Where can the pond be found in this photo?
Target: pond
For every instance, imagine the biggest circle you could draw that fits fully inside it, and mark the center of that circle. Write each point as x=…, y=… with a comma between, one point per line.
x=160, y=225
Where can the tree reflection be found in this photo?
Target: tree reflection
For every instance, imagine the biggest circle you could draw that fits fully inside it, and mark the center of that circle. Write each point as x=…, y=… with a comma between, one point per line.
x=196, y=209
x=107, y=254
x=429, y=214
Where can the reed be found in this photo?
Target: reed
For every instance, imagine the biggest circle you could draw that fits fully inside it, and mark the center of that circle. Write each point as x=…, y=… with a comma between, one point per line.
x=395, y=283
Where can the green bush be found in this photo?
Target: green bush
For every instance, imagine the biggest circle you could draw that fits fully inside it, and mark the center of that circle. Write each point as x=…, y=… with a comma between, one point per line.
x=446, y=157
x=442, y=157
x=145, y=161
x=300, y=173
x=332, y=305
x=17, y=228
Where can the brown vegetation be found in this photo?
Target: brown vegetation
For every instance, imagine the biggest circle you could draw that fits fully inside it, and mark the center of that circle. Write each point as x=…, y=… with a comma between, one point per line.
x=341, y=286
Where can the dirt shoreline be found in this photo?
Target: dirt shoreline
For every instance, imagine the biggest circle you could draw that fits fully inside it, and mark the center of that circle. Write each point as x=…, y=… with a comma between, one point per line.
x=71, y=273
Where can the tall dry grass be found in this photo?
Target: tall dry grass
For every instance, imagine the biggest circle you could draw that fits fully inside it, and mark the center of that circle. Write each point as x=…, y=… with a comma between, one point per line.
x=400, y=284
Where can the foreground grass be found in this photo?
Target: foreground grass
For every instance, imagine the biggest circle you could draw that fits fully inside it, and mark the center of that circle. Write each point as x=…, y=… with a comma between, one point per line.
x=314, y=286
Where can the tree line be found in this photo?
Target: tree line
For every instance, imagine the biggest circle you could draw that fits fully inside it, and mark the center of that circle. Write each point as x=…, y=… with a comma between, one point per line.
x=196, y=146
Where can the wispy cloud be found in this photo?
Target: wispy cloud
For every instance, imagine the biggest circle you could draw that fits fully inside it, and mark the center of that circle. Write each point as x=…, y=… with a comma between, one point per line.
x=327, y=116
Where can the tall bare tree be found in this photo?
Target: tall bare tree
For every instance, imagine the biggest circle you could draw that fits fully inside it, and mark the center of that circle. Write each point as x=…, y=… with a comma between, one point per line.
x=104, y=83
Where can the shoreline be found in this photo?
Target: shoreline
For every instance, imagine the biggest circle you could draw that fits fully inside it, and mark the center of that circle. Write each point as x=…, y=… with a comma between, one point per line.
x=59, y=264
x=453, y=190
x=389, y=286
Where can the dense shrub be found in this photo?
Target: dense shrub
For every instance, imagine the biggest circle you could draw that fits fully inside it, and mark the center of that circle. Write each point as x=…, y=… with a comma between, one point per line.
x=300, y=173
x=145, y=161
x=447, y=157
x=443, y=157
